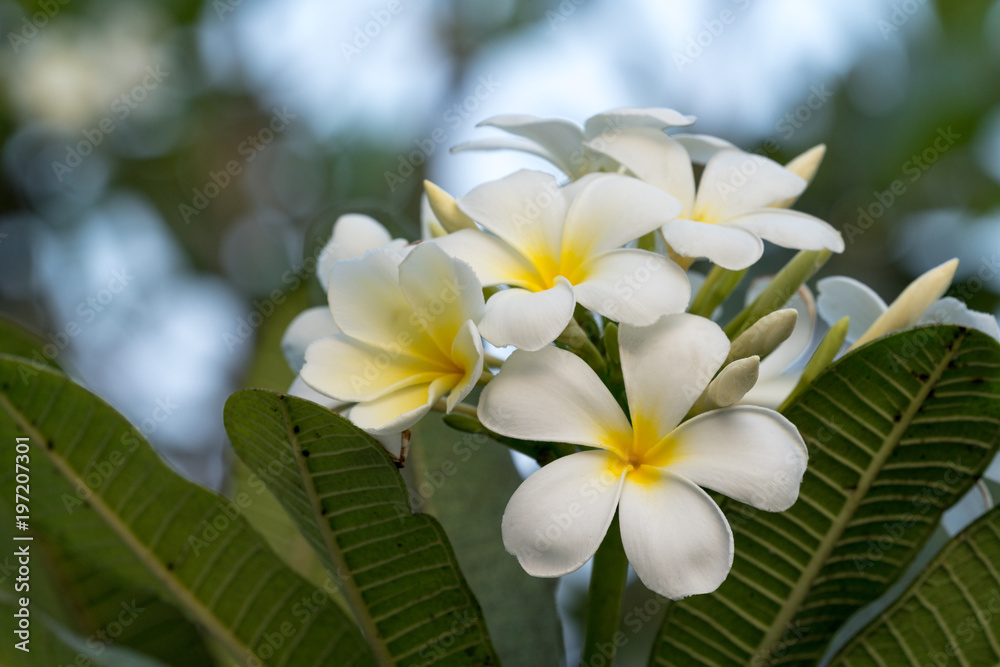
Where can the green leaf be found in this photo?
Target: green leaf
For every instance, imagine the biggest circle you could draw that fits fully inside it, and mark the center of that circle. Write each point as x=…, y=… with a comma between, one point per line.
x=396, y=569
x=897, y=432
x=952, y=610
x=195, y=544
x=20, y=342
x=448, y=469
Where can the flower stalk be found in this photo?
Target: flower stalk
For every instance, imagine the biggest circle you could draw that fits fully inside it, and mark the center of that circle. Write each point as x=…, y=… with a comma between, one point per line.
x=604, y=600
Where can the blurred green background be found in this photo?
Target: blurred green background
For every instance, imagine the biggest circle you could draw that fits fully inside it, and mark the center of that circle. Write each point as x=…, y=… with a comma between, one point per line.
x=168, y=167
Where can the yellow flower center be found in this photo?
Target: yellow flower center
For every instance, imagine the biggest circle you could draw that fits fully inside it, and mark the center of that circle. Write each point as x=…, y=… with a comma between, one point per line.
x=642, y=452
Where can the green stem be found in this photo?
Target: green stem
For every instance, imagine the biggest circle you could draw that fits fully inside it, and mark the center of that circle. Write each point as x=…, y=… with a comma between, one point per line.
x=604, y=601
x=781, y=288
x=578, y=342
x=717, y=286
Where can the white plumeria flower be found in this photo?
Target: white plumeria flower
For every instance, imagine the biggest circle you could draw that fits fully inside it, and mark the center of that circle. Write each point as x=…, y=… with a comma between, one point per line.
x=407, y=338
x=737, y=204
x=565, y=144
x=650, y=470
x=919, y=304
x=353, y=235
x=557, y=247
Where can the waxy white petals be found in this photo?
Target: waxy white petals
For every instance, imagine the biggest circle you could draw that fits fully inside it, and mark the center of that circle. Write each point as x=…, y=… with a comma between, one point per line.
x=656, y=159
x=400, y=409
x=552, y=395
x=443, y=293
x=525, y=209
x=807, y=164
x=632, y=286
x=668, y=365
x=790, y=229
x=350, y=370
x=493, y=259
x=950, y=310
x=507, y=144
x=528, y=320
x=676, y=538
x=629, y=118
x=748, y=453
x=840, y=296
x=368, y=305
x=906, y=310
x=610, y=210
x=309, y=325
x=729, y=247
x=467, y=352
x=557, y=518
x=300, y=389
x=735, y=182
x=446, y=213
x=560, y=139
x=354, y=234
x=701, y=147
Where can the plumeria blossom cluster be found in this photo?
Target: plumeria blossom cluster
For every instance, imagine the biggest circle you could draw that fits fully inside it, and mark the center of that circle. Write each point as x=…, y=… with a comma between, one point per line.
x=571, y=299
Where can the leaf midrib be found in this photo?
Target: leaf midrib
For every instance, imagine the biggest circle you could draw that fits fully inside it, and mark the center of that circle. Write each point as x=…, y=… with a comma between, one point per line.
x=350, y=589
x=152, y=563
x=833, y=535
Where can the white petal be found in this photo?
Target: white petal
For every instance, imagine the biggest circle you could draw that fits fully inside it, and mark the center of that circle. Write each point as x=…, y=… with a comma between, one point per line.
x=771, y=392
x=633, y=286
x=735, y=182
x=912, y=302
x=309, y=325
x=354, y=234
x=493, y=259
x=749, y=453
x=528, y=320
x=467, y=352
x=507, y=143
x=625, y=118
x=442, y=291
x=656, y=159
x=525, y=209
x=553, y=395
x=610, y=211
x=840, y=296
x=950, y=310
x=347, y=369
x=400, y=409
x=701, y=147
x=558, y=517
x=790, y=229
x=368, y=304
x=676, y=538
x=729, y=247
x=667, y=366
x=561, y=139
x=806, y=164
x=300, y=389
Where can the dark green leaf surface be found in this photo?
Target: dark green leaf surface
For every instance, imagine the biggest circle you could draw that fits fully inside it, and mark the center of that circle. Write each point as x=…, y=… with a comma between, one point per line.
x=949, y=616
x=396, y=569
x=192, y=541
x=897, y=432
